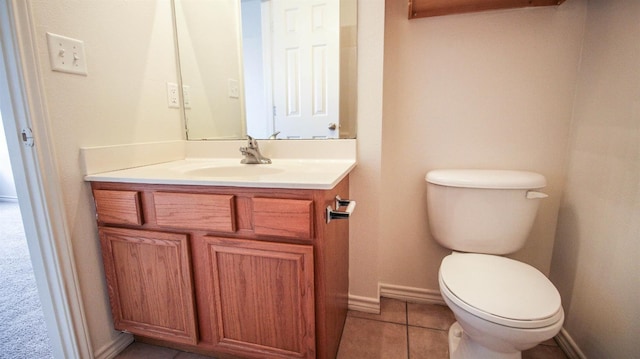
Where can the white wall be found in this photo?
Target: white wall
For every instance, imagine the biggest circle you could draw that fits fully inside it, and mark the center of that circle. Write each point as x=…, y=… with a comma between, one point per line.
x=595, y=262
x=130, y=57
x=481, y=90
x=210, y=56
x=365, y=181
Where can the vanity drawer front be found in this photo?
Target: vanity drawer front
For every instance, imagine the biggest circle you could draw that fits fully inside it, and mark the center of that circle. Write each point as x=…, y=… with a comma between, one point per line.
x=118, y=207
x=290, y=218
x=213, y=212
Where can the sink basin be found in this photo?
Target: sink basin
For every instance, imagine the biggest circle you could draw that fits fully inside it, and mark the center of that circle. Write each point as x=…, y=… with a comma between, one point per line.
x=234, y=171
x=282, y=173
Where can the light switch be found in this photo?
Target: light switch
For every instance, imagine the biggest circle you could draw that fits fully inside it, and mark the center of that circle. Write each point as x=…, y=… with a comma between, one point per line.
x=186, y=96
x=66, y=54
x=172, y=95
x=234, y=91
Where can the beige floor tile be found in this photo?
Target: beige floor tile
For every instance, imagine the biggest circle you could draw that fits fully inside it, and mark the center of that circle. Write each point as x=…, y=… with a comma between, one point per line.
x=432, y=316
x=145, y=351
x=551, y=342
x=185, y=355
x=391, y=310
x=427, y=343
x=372, y=339
x=544, y=352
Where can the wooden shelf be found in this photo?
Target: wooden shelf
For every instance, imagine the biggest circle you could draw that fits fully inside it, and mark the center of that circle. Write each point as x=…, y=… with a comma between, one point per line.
x=427, y=8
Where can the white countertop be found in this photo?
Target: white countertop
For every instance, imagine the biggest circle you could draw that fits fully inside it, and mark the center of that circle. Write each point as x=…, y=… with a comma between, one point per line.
x=282, y=173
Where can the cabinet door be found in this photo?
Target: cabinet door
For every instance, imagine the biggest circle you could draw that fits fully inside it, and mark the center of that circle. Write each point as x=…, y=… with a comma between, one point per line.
x=150, y=283
x=262, y=297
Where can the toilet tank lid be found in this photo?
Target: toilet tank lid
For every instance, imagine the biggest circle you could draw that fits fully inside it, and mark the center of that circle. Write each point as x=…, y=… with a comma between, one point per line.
x=494, y=179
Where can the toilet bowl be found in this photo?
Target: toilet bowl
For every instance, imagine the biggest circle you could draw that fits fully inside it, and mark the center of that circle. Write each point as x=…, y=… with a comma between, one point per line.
x=504, y=306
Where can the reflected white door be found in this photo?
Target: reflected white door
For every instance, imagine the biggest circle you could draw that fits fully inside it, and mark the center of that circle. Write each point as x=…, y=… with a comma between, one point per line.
x=306, y=69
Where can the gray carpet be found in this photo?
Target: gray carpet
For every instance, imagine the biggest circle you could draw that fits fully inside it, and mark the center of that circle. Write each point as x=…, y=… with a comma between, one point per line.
x=23, y=334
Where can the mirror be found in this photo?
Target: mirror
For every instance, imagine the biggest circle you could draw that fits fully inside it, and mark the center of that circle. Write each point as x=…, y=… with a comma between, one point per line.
x=282, y=69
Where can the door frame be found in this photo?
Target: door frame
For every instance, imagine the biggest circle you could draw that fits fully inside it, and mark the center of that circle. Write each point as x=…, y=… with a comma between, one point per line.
x=267, y=66
x=38, y=186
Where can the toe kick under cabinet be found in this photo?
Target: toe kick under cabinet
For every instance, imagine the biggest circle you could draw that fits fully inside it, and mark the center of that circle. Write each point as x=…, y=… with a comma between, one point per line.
x=226, y=271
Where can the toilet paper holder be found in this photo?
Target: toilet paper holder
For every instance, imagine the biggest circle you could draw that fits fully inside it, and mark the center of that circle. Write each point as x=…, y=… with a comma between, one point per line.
x=336, y=214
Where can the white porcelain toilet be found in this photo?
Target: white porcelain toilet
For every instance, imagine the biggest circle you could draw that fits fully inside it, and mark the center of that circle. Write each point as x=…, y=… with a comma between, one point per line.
x=502, y=306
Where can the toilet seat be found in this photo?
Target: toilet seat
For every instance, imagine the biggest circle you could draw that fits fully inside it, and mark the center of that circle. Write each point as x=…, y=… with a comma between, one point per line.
x=500, y=290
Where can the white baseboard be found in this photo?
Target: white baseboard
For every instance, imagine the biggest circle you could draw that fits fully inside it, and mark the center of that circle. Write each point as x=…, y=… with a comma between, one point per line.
x=115, y=347
x=364, y=304
x=568, y=346
x=411, y=294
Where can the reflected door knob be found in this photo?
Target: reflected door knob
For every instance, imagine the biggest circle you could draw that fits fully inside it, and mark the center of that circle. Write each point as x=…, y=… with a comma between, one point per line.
x=332, y=126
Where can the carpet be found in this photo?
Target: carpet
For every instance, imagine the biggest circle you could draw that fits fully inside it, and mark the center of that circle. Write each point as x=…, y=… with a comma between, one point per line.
x=23, y=333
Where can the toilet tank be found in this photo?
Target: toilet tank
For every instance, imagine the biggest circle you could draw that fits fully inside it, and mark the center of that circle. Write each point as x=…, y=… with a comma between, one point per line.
x=482, y=211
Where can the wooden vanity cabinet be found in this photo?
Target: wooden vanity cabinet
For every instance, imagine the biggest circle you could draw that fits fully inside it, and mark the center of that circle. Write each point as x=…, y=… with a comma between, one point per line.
x=226, y=271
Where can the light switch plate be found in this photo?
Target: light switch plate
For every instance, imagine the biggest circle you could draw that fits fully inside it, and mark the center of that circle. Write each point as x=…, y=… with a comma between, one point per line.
x=66, y=54
x=233, y=89
x=186, y=96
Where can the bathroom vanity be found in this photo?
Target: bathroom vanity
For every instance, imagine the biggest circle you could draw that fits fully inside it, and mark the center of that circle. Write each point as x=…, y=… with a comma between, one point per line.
x=226, y=269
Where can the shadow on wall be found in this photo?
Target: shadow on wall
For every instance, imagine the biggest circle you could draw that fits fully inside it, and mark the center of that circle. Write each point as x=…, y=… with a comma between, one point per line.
x=7, y=185
x=566, y=247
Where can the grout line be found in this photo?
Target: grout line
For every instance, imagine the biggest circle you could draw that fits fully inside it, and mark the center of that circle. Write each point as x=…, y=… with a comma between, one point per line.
x=178, y=352
x=406, y=314
x=429, y=328
x=408, y=325
x=377, y=320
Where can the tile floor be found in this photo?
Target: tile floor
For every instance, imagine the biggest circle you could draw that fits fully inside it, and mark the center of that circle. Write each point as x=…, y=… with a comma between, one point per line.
x=401, y=331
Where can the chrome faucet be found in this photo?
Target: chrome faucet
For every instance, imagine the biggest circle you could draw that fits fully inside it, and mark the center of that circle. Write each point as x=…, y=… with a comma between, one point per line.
x=252, y=153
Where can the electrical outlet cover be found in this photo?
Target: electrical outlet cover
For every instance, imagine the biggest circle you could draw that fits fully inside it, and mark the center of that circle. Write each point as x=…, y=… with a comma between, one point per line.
x=233, y=88
x=173, y=97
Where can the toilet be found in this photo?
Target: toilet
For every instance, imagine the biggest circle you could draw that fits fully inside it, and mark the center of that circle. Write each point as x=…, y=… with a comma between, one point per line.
x=502, y=306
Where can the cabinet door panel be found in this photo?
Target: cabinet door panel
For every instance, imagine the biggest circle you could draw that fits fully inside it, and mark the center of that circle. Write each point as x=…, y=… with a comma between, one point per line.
x=263, y=297
x=150, y=283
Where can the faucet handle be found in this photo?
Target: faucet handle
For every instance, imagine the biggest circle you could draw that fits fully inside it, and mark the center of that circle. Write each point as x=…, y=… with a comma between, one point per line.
x=253, y=143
